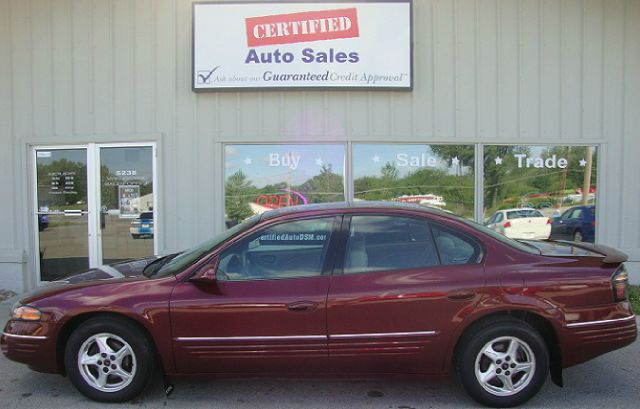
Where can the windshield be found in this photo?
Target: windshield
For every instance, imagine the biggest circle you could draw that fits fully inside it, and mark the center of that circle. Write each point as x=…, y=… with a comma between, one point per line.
x=528, y=248
x=190, y=256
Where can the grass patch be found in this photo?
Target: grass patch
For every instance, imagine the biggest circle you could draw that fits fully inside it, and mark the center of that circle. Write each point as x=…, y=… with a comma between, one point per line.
x=634, y=298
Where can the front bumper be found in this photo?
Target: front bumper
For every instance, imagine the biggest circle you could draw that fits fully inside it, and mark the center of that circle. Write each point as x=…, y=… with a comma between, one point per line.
x=30, y=343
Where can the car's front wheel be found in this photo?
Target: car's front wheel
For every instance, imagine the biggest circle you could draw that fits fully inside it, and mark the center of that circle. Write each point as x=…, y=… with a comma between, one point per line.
x=503, y=364
x=109, y=360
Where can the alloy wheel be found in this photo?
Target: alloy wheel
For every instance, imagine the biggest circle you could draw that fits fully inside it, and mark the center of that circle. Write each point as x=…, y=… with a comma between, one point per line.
x=505, y=366
x=107, y=362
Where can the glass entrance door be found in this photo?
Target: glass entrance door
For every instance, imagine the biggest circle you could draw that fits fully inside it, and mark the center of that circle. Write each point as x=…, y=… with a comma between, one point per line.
x=94, y=204
x=127, y=207
x=62, y=212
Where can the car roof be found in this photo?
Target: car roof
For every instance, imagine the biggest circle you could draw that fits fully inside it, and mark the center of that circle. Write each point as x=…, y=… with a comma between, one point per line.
x=360, y=204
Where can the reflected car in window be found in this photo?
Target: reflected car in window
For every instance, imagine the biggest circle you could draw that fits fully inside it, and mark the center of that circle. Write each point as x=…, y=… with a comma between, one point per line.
x=142, y=226
x=522, y=223
x=362, y=289
x=577, y=223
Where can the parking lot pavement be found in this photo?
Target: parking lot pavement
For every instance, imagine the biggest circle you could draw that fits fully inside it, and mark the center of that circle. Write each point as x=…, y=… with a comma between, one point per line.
x=612, y=380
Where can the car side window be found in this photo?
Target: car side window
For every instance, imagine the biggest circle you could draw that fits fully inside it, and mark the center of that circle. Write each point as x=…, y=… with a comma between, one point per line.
x=379, y=243
x=285, y=250
x=498, y=218
x=454, y=247
x=576, y=214
x=566, y=215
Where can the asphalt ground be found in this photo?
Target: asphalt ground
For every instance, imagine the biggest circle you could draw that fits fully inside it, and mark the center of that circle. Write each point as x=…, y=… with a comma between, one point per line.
x=609, y=381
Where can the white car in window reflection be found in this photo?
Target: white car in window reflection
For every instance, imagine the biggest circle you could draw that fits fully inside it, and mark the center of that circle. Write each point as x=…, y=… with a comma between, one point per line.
x=524, y=223
x=142, y=226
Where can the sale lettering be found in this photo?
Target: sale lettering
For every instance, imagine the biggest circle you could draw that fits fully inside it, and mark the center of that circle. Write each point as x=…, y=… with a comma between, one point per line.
x=421, y=160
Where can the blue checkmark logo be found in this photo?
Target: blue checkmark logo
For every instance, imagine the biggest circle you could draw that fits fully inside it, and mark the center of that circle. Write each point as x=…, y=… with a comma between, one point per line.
x=204, y=77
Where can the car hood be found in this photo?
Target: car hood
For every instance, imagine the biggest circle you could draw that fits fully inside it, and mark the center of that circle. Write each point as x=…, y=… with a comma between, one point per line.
x=117, y=272
x=572, y=249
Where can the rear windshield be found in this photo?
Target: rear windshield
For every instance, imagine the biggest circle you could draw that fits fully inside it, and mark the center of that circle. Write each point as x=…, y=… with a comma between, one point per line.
x=519, y=214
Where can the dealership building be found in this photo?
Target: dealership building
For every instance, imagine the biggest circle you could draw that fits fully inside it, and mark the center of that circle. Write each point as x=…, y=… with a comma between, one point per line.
x=133, y=128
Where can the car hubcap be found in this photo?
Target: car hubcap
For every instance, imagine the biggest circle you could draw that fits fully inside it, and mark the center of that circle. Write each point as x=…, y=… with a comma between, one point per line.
x=107, y=362
x=505, y=366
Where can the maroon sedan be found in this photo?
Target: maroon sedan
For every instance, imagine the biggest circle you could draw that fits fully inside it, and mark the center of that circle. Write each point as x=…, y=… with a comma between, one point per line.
x=360, y=290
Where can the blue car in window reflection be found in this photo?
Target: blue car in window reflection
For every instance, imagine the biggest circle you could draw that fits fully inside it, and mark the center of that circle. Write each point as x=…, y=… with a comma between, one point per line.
x=142, y=226
x=577, y=223
x=43, y=222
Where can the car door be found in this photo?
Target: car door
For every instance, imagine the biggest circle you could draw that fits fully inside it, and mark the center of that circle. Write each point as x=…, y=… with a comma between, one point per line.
x=402, y=283
x=266, y=311
x=560, y=229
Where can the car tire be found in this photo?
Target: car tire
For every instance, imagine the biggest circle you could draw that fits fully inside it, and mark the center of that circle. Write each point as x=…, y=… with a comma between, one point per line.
x=109, y=360
x=502, y=363
x=577, y=236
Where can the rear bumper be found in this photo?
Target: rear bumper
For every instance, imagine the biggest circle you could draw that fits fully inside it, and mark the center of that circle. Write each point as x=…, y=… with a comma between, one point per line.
x=586, y=340
x=30, y=343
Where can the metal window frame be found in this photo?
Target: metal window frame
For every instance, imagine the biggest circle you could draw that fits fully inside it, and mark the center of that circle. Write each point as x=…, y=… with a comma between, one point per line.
x=94, y=233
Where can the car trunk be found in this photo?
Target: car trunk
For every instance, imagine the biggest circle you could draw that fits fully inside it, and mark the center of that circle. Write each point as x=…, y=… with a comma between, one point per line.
x=530, y=227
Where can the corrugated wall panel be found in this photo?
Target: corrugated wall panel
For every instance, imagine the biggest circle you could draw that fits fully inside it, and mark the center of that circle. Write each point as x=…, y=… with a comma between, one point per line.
x=550, y=75
x=62, y=70
x=123, y=26
x=630, y=234
x=487, y=70
x=7, y=224
x=508, y=66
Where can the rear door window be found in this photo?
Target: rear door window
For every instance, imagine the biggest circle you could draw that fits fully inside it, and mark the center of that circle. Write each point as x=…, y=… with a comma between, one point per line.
x=454, y=247
x=380, y=243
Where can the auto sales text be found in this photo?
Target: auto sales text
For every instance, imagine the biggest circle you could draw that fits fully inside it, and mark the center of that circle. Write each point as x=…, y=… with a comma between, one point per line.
x=308, y=56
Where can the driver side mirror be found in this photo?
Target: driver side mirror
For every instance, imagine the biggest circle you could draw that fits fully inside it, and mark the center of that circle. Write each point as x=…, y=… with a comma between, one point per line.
x=206, y=274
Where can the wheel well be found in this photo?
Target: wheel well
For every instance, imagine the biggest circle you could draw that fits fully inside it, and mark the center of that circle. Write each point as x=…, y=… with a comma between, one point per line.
x=539, y=323
x=78, y=320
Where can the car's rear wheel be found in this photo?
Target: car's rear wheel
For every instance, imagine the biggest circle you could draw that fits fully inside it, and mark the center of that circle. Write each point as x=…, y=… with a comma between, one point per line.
x=109, y=360
x=503, y=364
x=577, y=236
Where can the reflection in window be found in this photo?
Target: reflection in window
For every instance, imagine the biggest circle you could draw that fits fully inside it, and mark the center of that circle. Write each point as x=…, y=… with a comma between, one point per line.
x=287, y=250
x=264, y=177
x=379, y=243
x=548, y=181
x=439, y=176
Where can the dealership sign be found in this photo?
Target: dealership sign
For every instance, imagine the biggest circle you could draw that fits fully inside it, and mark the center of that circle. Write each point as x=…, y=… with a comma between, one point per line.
x=363, y=45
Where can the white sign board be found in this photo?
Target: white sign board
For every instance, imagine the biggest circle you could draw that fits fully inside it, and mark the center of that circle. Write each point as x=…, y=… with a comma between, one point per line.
x=361, y=45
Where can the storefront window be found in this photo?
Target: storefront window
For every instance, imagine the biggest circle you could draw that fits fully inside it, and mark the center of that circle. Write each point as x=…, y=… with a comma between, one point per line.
x=263, y=177
x=439, y=176
x=537, y=192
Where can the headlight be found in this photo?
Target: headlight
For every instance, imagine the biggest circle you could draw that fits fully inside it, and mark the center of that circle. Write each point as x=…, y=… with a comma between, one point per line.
x=25, y=313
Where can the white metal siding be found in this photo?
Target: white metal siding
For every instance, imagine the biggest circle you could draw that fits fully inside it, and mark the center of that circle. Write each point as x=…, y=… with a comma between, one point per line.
x=515, y=71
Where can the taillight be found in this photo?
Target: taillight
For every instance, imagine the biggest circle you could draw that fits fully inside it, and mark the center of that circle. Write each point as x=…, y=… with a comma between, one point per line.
x=620, y=284
x=593, y=224
x=507, y=224
x=548, y=221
